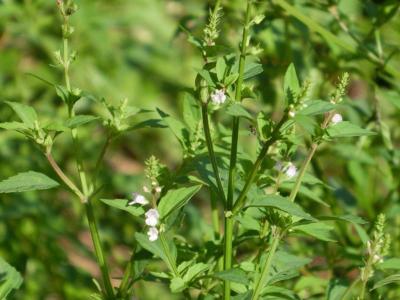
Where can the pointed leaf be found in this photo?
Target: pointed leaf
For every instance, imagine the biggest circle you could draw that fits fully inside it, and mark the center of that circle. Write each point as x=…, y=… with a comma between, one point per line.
x=318, y=230
x=135, y=210
x=80, y=120
x=26, y=113
x=176, y=199
x=390, y=279
x=233, y=275
x=347, y=129
x=28, y=181
x=10, y=279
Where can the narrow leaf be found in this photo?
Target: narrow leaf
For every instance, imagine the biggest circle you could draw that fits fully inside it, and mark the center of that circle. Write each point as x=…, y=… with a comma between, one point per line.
x=122, y=204
x=388, y=280
x=347, y=129
x=79, y=120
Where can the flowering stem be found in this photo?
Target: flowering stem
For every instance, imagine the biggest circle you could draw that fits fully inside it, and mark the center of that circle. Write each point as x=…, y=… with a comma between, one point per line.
x=233, y=156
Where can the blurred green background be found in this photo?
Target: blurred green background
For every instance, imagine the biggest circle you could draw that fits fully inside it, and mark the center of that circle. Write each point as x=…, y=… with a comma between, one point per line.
x=136, y=50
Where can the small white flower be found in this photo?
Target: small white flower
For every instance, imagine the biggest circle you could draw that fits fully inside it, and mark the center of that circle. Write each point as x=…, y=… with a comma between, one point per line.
x=138, y=199
x=377, y=258
x=291, y=170
x=152, y=233
x=337, y=118
x=292, y=113
x=218, y=97
x=369, y=247
x=146, y=189
x=152, y=216
x=158, y=189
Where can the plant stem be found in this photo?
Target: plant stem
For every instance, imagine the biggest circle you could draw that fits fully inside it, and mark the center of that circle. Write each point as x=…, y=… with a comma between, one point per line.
x=63, y=176
x=215, y=218
x=211, y=153
x=347, y=292
x=98, y=249
x=253, y=173
x=100, y=159
x=260, y=283
x=127, y=282
x=233, y=156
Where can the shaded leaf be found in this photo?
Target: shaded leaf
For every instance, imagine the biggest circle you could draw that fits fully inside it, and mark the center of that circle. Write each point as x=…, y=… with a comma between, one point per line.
x=28, y=181
x=233, y=275
x=388, y=280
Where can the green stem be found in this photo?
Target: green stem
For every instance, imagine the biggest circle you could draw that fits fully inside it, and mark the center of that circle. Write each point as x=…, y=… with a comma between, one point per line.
x=253, y=173
x=100, y=159
x=98, y=249
x=167, y=252
x=127, y=278
x=233, y=155
x=260, y=283
x=215, y=218
x=210, y=148
x=66, y=64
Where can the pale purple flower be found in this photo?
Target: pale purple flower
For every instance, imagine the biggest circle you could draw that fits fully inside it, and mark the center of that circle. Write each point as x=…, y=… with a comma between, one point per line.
x=152, y=216
x=218, y=97
x=138, y=199
x=291, y=170
x=152, y=233
x=337, y=118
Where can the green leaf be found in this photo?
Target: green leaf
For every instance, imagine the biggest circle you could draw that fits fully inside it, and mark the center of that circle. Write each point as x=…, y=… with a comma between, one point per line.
x=252, y=69
x=347, y=129
x=390, y=264
x=194, y=271
x=281, y=203
x=13, y=126
x=79, y=120
x=28, y=181
x=190, y=111
x=316, y=107
x=153, y=247
x=122, y=204
x=388, y=280
x=10, y=279
x=231, y=79
x=220, y=68
x=177, y=285
x=177, y=128
x=347, y=218
x=362, y=234
x=234, y=275
x=318, y=230
x=206, y=76
x=237, y=110
x=176, y=199
x=26, y=113
x=336, y=290
x=291, y=86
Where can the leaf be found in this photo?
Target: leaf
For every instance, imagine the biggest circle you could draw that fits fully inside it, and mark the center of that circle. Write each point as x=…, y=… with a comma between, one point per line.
x=206, y=76
x=26, y=113
x=28, y=181
x=176, y=199
x=245, y=296
x=220, y=68
x=79, y=120
x=336, y=290
x=122, y=204
x=237, y=110
x=390, y=264
x=190, y=111
x=388, y=280
x=362, y=234
x=153, y=247
x=231, y=79
x=194, y=271
x=347, y=218
x=13, y=126
x=177, y=128
x=291, y=86
x=177, y=285
x=318, y=230
x=347, y=129
x=252, y=69
x=281, y=203
x=234, y=275
x=316, y=107
x=10, y=279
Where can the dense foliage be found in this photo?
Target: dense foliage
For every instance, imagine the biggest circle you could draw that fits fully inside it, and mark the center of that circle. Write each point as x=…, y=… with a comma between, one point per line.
x=200, y=150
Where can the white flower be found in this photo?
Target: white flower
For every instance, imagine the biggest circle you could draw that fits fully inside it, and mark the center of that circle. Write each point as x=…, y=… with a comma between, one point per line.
x=138, y=199
x=218, y=97
x=291, y=170
x=292, y=113
x=146, y=189
x=158, y=189
x=152, y=216
x=337, y=118
x=152, y=233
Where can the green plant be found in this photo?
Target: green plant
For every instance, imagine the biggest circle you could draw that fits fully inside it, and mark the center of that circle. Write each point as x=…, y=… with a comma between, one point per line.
x=256, y=194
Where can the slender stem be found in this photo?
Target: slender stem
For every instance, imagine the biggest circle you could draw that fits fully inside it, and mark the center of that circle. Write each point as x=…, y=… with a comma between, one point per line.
x=302, y=171
x=100, y=159
x=64, y=177
x=127, y=281
x=215, y=217
x=66, y=64
x=260, y=283
x=211, y=153
x=98, y=249
x=171, y=261
x=233, y=156
x=256, y=166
